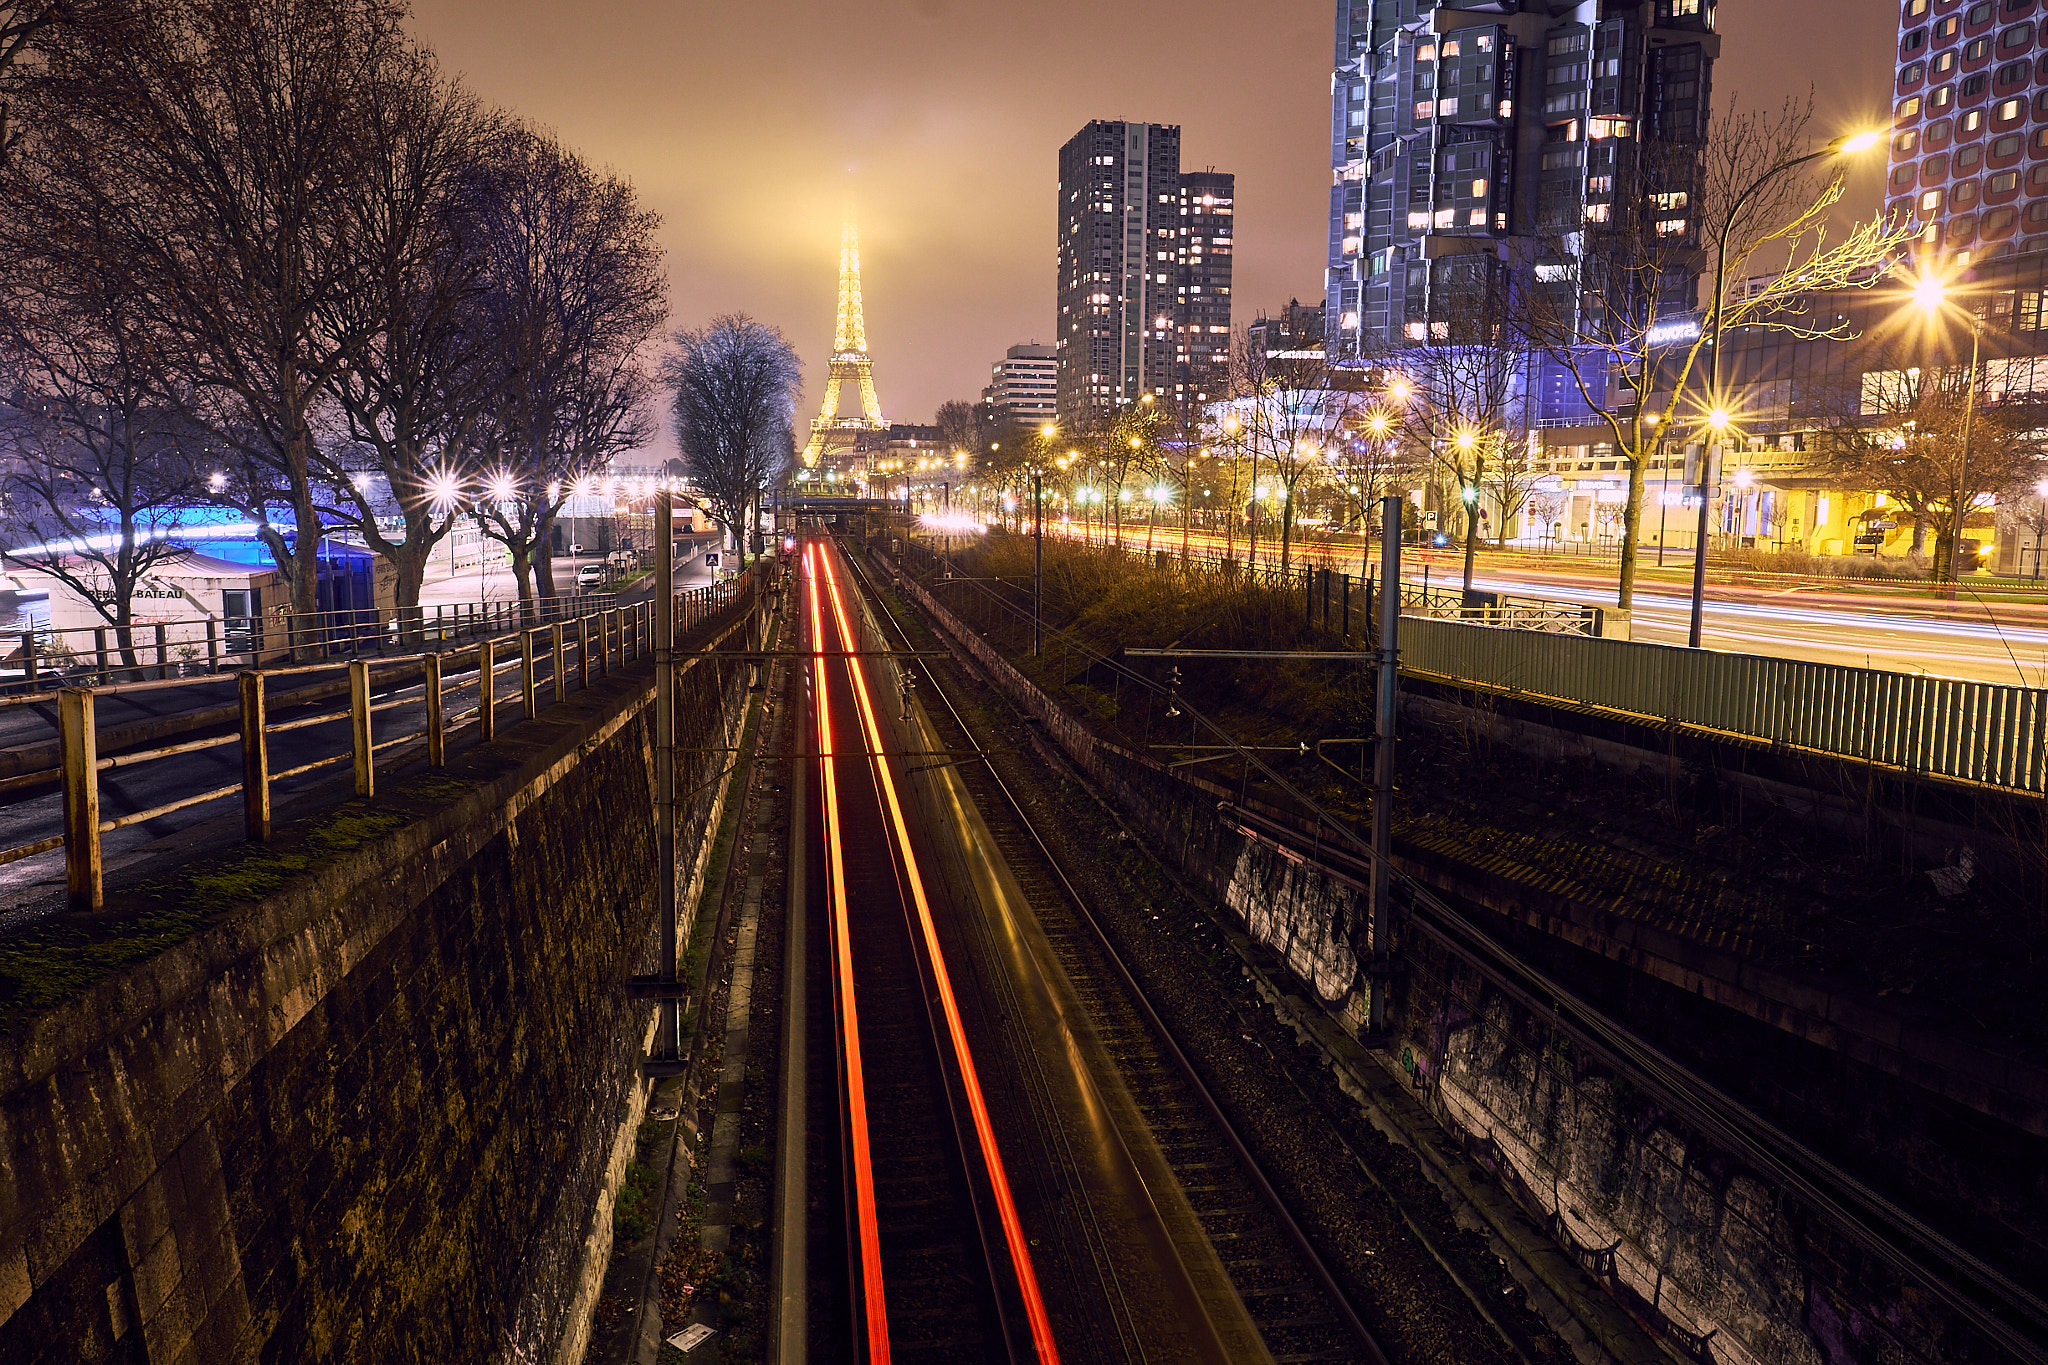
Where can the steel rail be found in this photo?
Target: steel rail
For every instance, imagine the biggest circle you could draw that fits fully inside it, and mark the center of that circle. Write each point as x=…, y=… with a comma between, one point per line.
x=1016, y=1243
x=1171, y=1045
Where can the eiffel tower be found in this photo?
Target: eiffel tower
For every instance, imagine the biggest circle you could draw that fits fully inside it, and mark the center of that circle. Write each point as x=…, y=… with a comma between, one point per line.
x=850, y=362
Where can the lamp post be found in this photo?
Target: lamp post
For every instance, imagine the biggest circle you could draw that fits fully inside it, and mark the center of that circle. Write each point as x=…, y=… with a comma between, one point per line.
x=1841, y=146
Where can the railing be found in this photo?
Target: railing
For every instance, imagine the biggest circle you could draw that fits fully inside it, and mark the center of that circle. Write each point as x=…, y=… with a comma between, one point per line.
x=602, y=640
x=162, y=650
x=1989, y=734
x=1500, y=609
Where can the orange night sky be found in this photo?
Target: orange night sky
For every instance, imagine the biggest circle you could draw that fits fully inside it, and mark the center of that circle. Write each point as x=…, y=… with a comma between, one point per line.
x=747, y=126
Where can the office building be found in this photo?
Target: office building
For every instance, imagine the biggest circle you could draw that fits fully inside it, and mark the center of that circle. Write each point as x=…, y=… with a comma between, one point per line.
x=1462, y=140
x=1023, y=383
x=1970, y=126
x=1144, y=257
x=1295, y=333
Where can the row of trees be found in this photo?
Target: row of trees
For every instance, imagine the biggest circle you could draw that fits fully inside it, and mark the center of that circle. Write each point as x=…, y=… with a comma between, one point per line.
x=268, y=256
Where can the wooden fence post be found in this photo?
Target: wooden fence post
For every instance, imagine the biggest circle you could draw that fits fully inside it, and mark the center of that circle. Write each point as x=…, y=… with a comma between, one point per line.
x=486, y=695
x=526, y=671
x=561, y=672
x=163, y=655
x=99, y=644
x=80, y=745
x=359, y=726
x=583, y=653
x=437, y=738
x=255, y=760
x=212, y=645
x=28, y=658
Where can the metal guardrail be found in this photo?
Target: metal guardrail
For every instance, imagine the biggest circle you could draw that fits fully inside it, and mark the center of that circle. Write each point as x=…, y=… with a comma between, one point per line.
x=1987, y=734
x=1500, y=609
x=39, y=655
x=602, y=640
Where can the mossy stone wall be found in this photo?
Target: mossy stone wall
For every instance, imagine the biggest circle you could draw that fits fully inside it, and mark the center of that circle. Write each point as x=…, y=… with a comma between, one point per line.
x=369, y=1116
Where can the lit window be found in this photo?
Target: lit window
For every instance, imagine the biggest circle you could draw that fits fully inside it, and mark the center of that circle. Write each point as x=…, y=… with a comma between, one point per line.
x=1446, y=217
x=1352, y=246
x=1477, y=219
x=1417, y=331
x=1671, y=227
x=1450, y=47
x=1909, y=108
x=1930, y=201
x=1479, y=188
x=1906, y=141
x=1425, y=109
x=2008, y=110
x=1969, y=123
x=1418, y=218
x=1447, y=107
x=1596, y=213
x=1507, y=109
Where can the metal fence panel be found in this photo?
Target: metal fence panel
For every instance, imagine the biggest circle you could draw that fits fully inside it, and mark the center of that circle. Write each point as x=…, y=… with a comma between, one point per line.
x=1989, y=733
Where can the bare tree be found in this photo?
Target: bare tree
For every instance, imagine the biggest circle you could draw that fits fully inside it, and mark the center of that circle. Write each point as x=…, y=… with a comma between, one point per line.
x=99, y=468
x=573, y=294
x=1374, y=458
x=420, y=374
x=1937, y=438
x=1465, y=410
x=1293, y=416
x=211, y=145
x=21, y=23
x=733, y=387
x=1615, y=291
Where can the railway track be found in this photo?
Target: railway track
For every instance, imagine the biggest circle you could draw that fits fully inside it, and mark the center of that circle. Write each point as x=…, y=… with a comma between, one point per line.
x=1299, y=1309
x=934, y=1262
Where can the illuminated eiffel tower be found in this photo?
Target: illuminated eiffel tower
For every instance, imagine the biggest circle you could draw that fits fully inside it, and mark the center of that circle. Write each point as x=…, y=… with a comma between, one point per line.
x=850, y=362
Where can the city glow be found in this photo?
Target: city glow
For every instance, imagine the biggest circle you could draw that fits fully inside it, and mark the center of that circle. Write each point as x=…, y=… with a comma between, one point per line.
x=957, y=523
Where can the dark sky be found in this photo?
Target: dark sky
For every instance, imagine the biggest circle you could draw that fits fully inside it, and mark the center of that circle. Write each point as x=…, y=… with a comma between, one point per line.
x=748, y=126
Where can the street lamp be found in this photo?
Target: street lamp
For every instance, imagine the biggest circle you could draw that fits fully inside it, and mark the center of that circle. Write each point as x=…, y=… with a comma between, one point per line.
x=1847, y=145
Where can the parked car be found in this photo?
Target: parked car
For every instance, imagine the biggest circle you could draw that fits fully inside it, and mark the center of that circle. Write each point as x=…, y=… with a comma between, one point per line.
x=590, y=575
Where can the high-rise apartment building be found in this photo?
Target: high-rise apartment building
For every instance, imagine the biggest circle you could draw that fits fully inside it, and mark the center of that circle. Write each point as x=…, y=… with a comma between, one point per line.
x=1023, y=383
x=1970, y=126
x=1208, y=205
x=1463, y=138
x=1144, y=258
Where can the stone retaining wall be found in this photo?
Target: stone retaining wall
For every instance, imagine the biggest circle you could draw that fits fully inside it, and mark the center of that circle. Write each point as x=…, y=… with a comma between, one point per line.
x=376, y=1114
